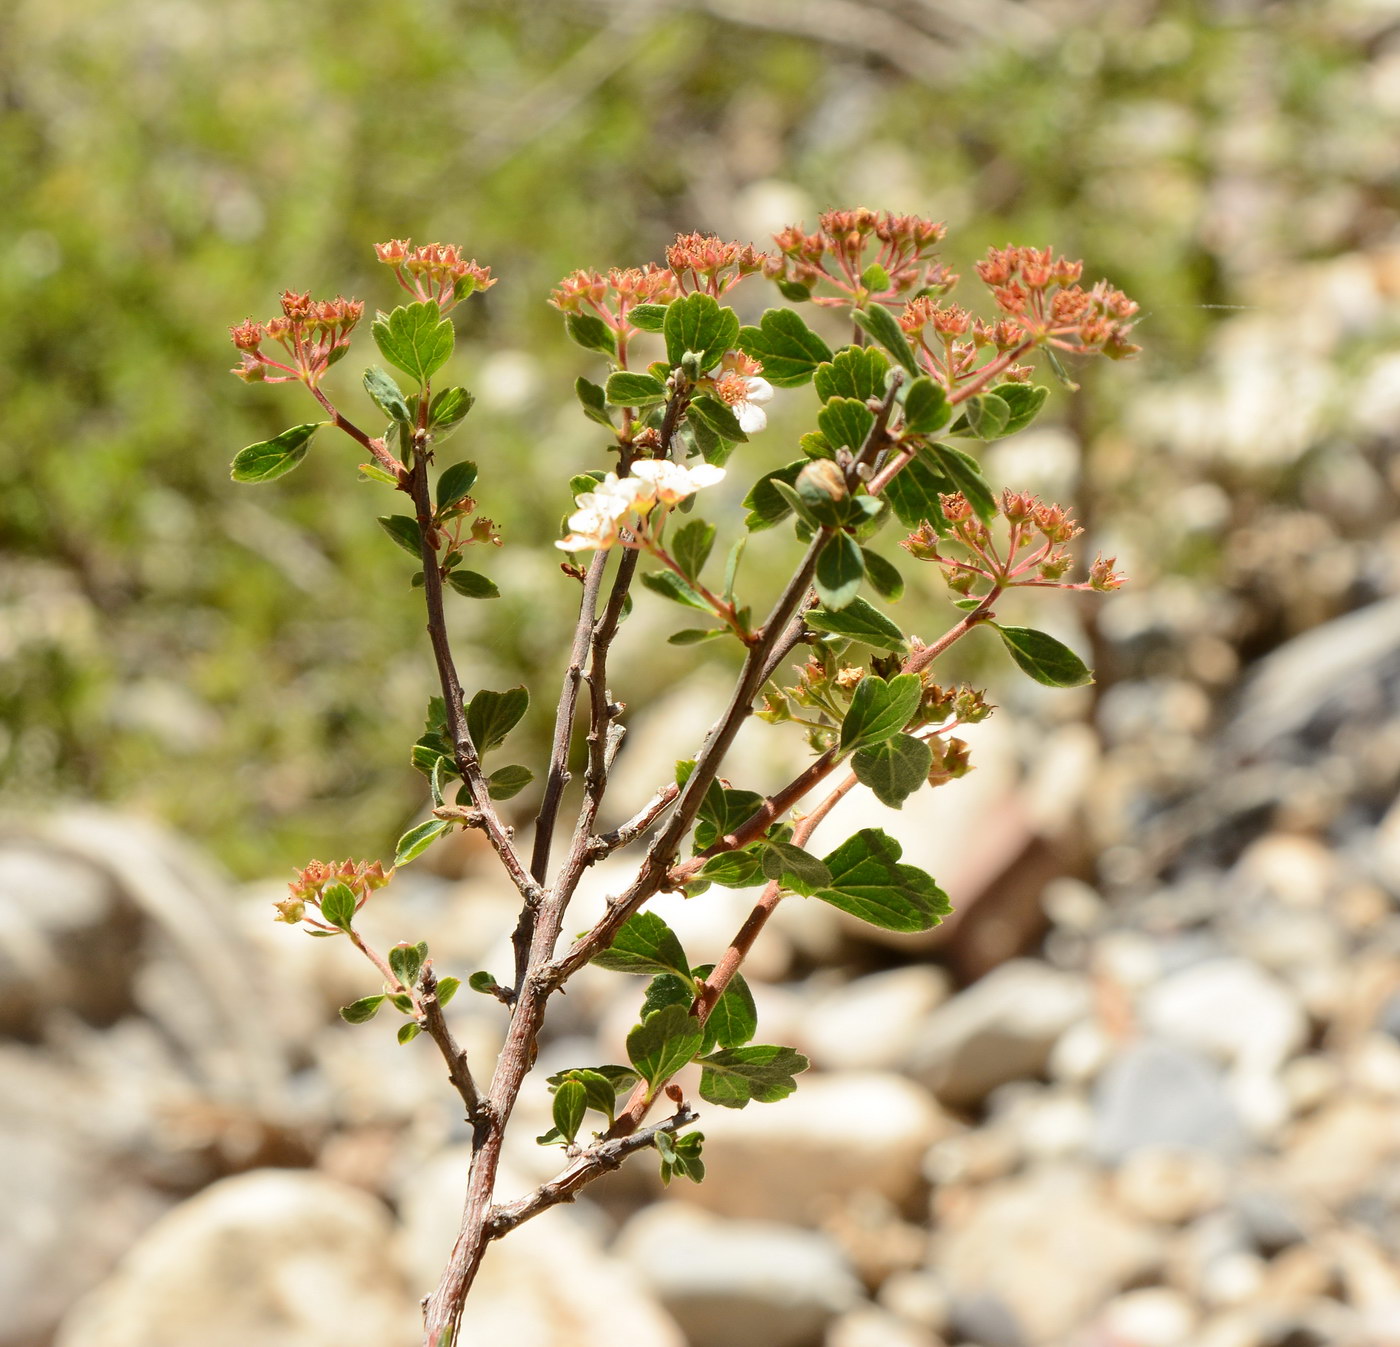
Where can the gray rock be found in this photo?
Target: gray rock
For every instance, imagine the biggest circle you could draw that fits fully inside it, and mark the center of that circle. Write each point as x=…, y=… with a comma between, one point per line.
x=739, y=1283
x=1000, y=1029
x=844, y=1133
x=1047, y=1246
x=1158, y=1094
x=873, y=1023
x=1230, y=1009
x=280, y=1258
x=541, y=1287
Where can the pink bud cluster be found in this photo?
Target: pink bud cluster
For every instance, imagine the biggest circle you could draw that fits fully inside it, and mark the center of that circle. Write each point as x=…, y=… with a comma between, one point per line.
x=1034, y=552
x=706, y=262
x=314, y=334
x=434, y=271
x=360, y=877
x=864, y=255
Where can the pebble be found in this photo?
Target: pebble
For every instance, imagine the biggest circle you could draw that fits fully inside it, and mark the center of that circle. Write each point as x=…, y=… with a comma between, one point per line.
x=732, y=1283
x=862, y=1132
x=873, y=1023
x=1000, y=1029
x=1171, y=1185
x=1153, y=1316
x=281, y=1258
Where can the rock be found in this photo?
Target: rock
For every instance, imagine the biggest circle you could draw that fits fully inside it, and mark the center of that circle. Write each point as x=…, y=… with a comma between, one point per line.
x=873, y=1023
x=869, y=1326
x=1151, y=1317
x=917, y=1298
x=1230, y=1009
x=66, y=938
x=737, y=1283
x=540, y=1287
x=1000, y=1029
x=842, y=1134
x=1047, y=1124
x=1169, y=1184
x=1336, y=1154
x=281, y=1258
x=1048, y=1246
x=1157, y=1094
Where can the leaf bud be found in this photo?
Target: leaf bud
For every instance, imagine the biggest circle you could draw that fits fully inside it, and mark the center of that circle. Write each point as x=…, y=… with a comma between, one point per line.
x=821, y=478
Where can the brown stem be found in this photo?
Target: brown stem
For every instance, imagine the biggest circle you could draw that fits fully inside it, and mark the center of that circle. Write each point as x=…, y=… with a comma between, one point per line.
x=377, y=448
x=435, y=1026
x=468, y=763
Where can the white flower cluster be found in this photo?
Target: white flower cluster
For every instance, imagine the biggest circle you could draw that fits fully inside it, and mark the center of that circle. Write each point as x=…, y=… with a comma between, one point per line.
x=601, y=511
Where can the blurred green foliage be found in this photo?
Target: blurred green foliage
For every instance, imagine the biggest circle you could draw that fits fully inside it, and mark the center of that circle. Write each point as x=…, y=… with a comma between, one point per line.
x=248, y=662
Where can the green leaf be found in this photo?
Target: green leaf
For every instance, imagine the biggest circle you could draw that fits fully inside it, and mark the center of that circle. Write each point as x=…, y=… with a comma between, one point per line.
x=868, y=882
x=405, y=532
x=718, y=416
x=697, y=323
x=879, y=709
x=505, y=782
x=731, y=566
x=789, y=349
x=887, y=581
x=1025, y=402
x=761, y=1071
x=626, y=389
x=473, y=585
x=691, y=546
x=670, y=586
x=845, y=421
x=681, y=1155
x=594, y=400
x=926, y=409
x=593, y=334
x=645, y=944
x=455, y=482
x=855, y=372
x=860, y=622
x=875, y=277
x=570, y=1104
x=795, y=869
x=665, y=1041
x=447, y=989
x=418, y=839
x=361, y=1011
x=794, y=290
x=408, y=1032
x=448, y=410
x=734, y=1020
x=966, y=474
x=338, y=905
x=387, y=395
x=406, y=961
x=893, y=769
x=584, y=482
x=1044, y=658
x=602, y=1084
x=765, y=504
x=840, y=570
x=415, y=338
x=881, y=324
x=401, y=1001
x=800, y=506
x=913, y=494
x=984, y=416
x=493, y=715
x=734, y=869
x=694, y=635
x=483, y=982
x=372, y=472
x=272, y=458
x=648, y=317
x=722, y=811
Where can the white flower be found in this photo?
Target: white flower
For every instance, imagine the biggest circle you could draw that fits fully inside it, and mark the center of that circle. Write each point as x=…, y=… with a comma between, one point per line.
x=668, y=483
x=589, y=528
x=748, y=411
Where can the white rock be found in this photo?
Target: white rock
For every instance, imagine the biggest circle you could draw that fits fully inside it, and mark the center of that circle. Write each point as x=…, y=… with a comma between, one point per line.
x=870, y=1326
x=841, y=1134
x=1080, y=1053
x=1046, y=1245
x=917, y=1298
x=1151, y=1317
x=540, y=1287
x=1169, y=1184
x=875, y=1022
x=280, y=1258
x=1231, y=1009
x=737, y=1283
x=1000, y=1029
